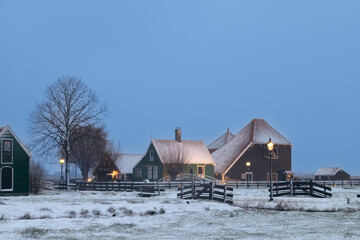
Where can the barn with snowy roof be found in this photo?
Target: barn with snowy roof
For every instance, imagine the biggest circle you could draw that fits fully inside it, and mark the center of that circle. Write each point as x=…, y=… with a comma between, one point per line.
x=167, y=158
x=249, y=145
x=331, y=173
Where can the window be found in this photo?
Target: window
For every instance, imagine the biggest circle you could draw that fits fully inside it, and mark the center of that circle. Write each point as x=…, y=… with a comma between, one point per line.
x=155, y=172
x=6, y=178
x=149, y=172
x=274, y=177
x=151, y=155
x=276, y=153
x=139, y=172
x=7, y=151
x=249, y=176
x=201, y=171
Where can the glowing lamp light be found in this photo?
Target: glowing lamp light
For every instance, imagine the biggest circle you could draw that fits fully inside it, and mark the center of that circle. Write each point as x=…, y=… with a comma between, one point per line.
x=248, y=164
x=114, y=173
x=270, y=145
x=89, y=180
x=62, y=161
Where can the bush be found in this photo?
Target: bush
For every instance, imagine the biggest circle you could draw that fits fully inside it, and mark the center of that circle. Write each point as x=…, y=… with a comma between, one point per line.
x=26, y=216
x=37, y=175
x=126, y=212
x=33, y=232
x=111, y=210
x=84, y=213
x=71, y=214
x=2, y=217
x=96, y=212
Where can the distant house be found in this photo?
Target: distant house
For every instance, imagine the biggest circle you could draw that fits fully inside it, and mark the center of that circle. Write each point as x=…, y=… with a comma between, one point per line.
x=249, y=145
x=163, y=153
x=331, y=173
x=221, y=141
x=121, y=168
x=14, y=166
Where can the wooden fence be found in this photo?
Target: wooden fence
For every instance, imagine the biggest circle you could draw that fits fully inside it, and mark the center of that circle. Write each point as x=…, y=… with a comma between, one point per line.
x=308, y=188
x=132, y=186
x=210, y=191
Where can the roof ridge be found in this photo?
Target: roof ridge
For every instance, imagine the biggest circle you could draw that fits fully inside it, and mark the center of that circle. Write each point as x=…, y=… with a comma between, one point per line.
x=220, y=137
x=276, y=131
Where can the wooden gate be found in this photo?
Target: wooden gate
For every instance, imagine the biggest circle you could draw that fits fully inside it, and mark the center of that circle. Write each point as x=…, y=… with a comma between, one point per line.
x=210, y=191
x=308, y=188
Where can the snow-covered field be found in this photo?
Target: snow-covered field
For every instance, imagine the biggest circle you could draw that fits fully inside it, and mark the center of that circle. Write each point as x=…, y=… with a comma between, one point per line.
x=124, y=215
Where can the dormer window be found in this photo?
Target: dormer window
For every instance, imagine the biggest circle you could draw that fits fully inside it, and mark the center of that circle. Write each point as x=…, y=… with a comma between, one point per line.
x=7, y=151
x=151, y=155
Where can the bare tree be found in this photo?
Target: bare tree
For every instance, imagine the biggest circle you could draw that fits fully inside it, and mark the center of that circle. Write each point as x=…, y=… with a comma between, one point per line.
x=37, y=175
x=89, y=149
x=69, y=103
x=174, y=159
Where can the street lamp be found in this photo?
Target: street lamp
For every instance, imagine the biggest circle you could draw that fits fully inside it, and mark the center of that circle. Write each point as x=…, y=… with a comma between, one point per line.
x=270, y=146
x=247, y=175
x=62, y=165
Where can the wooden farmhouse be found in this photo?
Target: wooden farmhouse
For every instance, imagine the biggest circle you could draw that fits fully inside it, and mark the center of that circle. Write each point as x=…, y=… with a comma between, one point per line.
x=331, y=173
x=163, y=155
x=119, y=169
x=249, y=145
x=14, y=167
x=221, y=141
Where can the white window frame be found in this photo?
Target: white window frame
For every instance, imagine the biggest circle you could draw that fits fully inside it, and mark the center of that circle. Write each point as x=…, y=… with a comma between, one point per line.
x=2, y=151
x=12, y=180
x=152, y=155
x=149, y=172
x=155, y=172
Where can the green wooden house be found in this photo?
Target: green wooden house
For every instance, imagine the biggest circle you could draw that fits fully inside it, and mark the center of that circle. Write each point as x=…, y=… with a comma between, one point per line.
x=163, y=155
x=14, y=164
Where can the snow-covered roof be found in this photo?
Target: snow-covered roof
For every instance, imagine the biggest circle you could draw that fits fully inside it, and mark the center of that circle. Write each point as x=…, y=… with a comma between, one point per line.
x=6, y=130
x=327, y=171
x=197, y=152
x=258, y=131
x=126, y=162
x=221, y=141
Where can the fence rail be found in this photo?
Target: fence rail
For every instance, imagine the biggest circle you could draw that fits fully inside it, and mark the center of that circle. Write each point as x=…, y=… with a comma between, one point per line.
x=133, y=186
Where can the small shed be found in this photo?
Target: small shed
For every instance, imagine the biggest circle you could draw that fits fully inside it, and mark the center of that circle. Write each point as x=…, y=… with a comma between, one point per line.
x=14, y=165
x=331, y=173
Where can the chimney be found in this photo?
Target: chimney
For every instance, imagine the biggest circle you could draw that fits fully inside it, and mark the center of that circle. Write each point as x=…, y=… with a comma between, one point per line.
x=178, y=134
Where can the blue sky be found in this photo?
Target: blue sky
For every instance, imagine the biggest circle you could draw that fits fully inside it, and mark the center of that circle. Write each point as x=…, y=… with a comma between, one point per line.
x=203, y=66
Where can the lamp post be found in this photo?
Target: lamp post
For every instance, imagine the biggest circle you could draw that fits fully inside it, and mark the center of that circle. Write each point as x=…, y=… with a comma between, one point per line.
x=247, y=175
x=62, y=165
x=270, y=146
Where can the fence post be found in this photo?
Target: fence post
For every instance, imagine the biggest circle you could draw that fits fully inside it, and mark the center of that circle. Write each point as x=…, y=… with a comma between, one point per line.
x=132, y=186
x=350, y=183
x=291, y=187
x=225, y=193
x=237, y=184
x=193, y=190
x=311, y=187
x=333, y=183
x=211, y=194
x=257, y=183
x=93, y=183
x=181, y=189
x=170, y=183
x=342, y=183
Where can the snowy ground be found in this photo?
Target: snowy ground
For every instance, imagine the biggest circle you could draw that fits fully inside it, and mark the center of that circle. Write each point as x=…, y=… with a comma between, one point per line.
x=120, y=215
